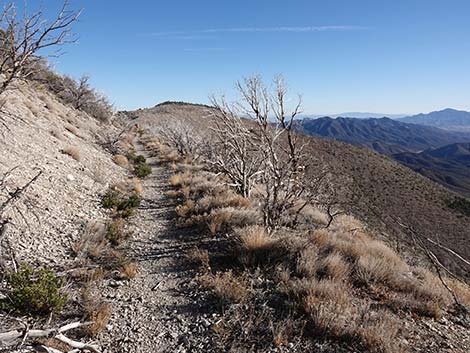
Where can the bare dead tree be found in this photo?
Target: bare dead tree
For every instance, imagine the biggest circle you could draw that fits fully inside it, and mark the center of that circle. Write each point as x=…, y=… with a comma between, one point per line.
x=183, y=138
x=283, y=170
x=21, y=39
x=235, y=147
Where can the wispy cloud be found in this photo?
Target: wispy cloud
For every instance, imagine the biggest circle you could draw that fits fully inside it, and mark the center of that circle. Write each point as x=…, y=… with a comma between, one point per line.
x=298, y=29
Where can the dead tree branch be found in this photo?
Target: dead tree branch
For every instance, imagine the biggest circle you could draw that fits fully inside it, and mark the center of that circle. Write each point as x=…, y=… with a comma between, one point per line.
x=21, y=39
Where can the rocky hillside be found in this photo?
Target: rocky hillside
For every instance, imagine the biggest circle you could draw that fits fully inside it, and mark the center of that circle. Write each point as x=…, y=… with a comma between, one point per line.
x=41, y=135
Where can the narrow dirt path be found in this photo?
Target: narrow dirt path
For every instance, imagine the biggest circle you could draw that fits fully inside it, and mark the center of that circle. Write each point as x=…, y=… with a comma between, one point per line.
x=158, y=310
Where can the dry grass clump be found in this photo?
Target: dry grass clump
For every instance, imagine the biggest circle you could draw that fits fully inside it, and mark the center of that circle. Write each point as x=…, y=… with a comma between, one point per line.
x=226, y=286
x=334, y=266
x=199, y=257
x=72, y=152
x=72, y=129
x=98, y=313
x=33, y=108
x=121, y=161
x=129, y=270
x=88, y=275
x=227, y=218
x=256, y=245
x=93, y=242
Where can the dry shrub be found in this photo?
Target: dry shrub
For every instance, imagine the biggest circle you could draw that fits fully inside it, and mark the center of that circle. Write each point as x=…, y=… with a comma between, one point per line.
x=370, y=270
x=129, y=270
x=334, y=266
x=199, y=257
x=93, y=243
x=461, y=290
x=224, y=219
x=176, y=180
x=173, y=194
x=221, y=200
x=257, y=246
x=33, y=108
x=307, y=262
x=72, y=129
x=88, y=275
x=345, y=223
x=98, y=313
x=121, y=161
x=137, y=185
x=54, y=344
x=72, y=152
x=226, y=286
x=377, y=331
x=312, y=215
x=186, y=209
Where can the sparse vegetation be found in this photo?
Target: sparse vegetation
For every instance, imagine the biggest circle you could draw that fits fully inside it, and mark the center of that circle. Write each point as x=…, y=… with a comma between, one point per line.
x=331, y=276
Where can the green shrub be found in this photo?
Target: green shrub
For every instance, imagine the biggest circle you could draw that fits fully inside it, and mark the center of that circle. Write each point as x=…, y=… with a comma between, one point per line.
x=111, y=199
x=460, y=204
x=142, y=170
x=119, y=201
x=115, y=231
x=136, y=159
x=35, y=292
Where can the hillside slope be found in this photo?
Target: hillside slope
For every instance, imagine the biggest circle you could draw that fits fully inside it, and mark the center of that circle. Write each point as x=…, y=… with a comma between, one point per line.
x=43, y=135
x=448, y=165
x=375, y=188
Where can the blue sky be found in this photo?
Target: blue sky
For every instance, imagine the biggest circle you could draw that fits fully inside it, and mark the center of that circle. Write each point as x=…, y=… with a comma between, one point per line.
x=397, y=56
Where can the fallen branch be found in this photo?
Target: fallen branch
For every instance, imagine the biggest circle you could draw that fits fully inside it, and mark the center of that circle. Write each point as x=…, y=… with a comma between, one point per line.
x=10, y=337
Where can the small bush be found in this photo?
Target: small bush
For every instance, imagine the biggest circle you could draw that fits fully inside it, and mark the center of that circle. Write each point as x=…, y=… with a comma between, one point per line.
x=129, y=270
x=461, y=205
x=256, y=245
x=72, y=152
x=121, y=161
x=142, y=170
x=35, y=292
x=120, y=202
x=98, y=312
x=72, y=129
x=226, y=286
x=115, y=231
x=199, y=257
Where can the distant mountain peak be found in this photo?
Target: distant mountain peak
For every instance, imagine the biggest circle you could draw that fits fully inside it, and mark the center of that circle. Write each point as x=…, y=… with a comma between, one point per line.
x=448, y=119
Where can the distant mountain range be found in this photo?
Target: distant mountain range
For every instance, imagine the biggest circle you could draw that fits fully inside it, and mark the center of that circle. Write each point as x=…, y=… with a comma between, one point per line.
x=448, y=165
x=386, y=136
x=448, y=119
x=357, y=115
x=441, y=155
